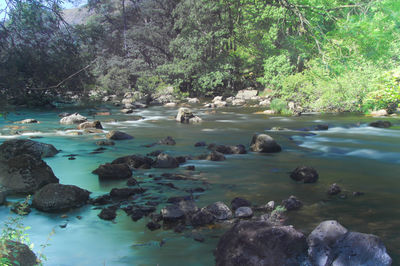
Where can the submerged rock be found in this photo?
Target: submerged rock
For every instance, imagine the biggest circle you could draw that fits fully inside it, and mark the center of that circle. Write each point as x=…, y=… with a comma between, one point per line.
x=215, y=156
x=73, y=119
x=292, y=203
x=105, y=143
x=135, y=161
x=166, y=161
x=58, y=197
x=260, y=243
x=113, y=171
x=202, y=217
x=331, y=244
x=380, y=124
x=264, y=143
x=305, y=174
x=167, y=141
x=2, y=198
x=334, y=189
x=172, y=213
x=118, y=135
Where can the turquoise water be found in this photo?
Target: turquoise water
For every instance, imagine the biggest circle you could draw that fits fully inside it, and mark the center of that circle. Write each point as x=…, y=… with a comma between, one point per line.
x=357, y=157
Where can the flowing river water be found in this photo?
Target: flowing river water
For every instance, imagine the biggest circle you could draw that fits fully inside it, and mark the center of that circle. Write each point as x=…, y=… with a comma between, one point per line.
x=350, y=153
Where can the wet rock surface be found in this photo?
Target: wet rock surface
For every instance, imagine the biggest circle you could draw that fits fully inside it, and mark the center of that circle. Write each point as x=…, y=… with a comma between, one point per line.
x=260, y=243
x=58, y=197
x=118, y=135
x=305, y=174
x=264, y=143
x=113, y=171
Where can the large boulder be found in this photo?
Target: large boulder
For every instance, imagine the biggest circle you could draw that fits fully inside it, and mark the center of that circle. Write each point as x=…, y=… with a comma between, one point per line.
x=292, y=203
x=166, y=161
x=25, y=174
x=18, y=254
x=15, y=147
x=135, y=161
x=305, y=174
x=58, y=197
x=172, y=213
x=264, y=143
x=220, y=211
x=246, y=94
x=73, y=119
x=113, y=171
x=185, y=115
x=202, y=217
x=225, y=149
x=118, y=135
x=94, y=124
x=332, y=244
x=260, y=243
x=239, y=202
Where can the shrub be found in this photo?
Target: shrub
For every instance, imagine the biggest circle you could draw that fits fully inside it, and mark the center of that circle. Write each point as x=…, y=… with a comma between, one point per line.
x=280, y=106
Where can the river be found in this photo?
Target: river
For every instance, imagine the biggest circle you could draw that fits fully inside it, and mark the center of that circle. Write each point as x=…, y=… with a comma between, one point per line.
x=352, y=154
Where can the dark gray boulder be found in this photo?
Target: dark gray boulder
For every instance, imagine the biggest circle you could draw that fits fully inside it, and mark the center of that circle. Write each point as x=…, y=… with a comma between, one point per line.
x=15, y=147
x=167, y=141
x=113, y=171
x=220, y=211
x=225, y=149
x=215, y=156
x=260, y=243
x=2, y=198
x=108, y=214
x=25, y=174
x=264, y=143
x=305, y=174
x=332, y=244
x=243, y=212
x=334, y=189
x=124, y=193
x=380, y=124
x=135, y=161
x=118, y=135
x=105, y=143
x=58, y=197
x=239, y=202
x=202, y=217
x=166, y=161
x=292, y=203
x=172, y=213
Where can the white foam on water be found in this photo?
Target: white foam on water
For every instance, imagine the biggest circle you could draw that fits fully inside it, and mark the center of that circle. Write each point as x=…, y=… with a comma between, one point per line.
x=363, y=130
x=226, y=121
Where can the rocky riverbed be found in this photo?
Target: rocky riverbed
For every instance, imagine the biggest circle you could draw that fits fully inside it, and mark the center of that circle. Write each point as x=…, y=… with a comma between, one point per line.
x=148, y=185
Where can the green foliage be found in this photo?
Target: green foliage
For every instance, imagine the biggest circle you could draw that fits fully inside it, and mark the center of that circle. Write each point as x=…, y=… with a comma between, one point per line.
x=387, y=96
x=280, y=106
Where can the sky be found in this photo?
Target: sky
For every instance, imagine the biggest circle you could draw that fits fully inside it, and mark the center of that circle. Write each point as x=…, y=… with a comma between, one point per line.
x=66, y=5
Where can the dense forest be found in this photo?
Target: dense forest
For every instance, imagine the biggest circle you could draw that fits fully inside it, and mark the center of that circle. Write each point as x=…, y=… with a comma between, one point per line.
x=326, y=55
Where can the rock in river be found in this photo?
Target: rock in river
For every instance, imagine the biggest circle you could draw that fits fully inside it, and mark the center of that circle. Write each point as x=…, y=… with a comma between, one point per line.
x=73, y=119
x=58, y=197
x=380, y=124
x=20, y=254
x=15, y=147
x=25, y=174
x=118, y=135
x=166, y=161
x=239, y=202
x=94, y=124
x=135, y=161
x=260, y=243
x=305, y=174
x=264, y=143
x=332, y=244
x=220, y=210
x=113, y=171
x=292, y=203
